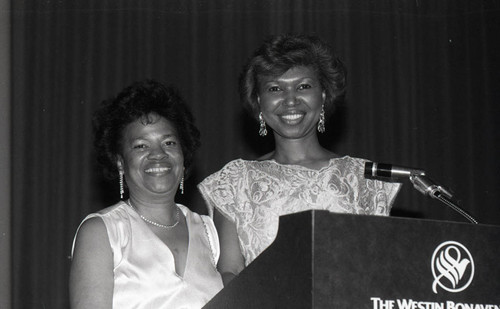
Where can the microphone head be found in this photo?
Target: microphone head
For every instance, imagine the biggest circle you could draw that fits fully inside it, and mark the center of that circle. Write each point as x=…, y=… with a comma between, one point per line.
x=383, y=170
x=370, y=171
x=373, y=169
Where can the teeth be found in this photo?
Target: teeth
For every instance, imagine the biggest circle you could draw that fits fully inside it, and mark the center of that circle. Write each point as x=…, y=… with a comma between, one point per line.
x=292, y=116
x=157, y=169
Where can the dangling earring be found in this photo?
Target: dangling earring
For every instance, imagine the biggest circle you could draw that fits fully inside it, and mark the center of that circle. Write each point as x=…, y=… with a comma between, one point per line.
x=262, y=129
x=321, y=122
x=121, y=185
x=181, y=185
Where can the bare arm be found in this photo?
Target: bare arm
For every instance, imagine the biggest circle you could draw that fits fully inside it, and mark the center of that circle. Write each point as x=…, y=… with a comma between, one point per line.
x=231, y=261
x=91, y=276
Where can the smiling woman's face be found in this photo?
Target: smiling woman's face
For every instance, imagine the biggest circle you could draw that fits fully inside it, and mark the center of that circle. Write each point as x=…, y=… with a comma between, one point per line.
x=291, y=103
x=151, y=158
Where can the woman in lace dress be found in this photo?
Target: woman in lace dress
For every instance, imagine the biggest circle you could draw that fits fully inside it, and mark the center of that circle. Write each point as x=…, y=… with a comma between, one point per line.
x=290, y=84
x=146, y=251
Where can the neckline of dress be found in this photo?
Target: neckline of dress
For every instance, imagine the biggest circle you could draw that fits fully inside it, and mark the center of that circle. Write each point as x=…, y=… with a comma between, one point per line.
x=297, y=166
x=157, y=239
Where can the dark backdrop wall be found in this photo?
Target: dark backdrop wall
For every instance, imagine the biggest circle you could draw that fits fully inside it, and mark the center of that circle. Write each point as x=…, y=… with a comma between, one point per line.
x=423, y=92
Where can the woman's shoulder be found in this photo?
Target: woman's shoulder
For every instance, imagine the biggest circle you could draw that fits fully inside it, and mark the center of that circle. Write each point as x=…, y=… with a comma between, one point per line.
x=112, y=215
x=266, y=157
x=96, y=226
x=197, y=218
x=192, y=215
x=348, y=162
x=234, y=168
x=119, y=206
x=235, y=164
x=349, y=158
x=119, y=210
x=186, y=211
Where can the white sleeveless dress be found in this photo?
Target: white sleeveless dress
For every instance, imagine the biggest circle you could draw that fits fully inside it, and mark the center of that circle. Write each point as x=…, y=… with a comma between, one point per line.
x=144, y=266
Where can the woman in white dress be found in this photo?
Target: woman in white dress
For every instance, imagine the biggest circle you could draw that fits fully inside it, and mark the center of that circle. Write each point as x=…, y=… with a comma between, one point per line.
x=290, y=84
x=146, y=251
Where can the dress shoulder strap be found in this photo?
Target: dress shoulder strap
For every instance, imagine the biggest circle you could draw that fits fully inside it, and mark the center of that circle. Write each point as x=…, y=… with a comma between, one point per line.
x=213, y=238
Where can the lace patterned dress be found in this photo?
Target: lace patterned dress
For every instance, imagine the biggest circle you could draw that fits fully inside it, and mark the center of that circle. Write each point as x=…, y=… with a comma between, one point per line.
x=254, y=194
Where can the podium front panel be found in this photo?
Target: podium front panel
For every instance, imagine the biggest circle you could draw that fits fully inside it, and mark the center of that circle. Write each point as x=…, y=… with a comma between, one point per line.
x=380, y=262
x=326, y=260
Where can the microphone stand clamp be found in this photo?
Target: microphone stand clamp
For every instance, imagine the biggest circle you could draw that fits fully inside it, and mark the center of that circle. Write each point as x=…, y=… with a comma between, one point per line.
x=427, y=187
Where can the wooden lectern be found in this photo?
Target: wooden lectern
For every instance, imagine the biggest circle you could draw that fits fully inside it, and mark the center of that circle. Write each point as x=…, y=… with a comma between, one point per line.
x=326, y=260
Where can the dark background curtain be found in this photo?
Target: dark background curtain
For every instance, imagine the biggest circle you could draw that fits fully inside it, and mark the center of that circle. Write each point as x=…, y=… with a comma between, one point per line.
x=423, y=91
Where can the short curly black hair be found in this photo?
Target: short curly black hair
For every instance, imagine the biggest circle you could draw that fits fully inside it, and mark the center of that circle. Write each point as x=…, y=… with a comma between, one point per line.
x=136, y=101
x=279, y=53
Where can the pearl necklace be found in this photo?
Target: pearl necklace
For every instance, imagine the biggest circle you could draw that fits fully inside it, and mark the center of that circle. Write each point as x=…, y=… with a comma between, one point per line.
x=155, y=223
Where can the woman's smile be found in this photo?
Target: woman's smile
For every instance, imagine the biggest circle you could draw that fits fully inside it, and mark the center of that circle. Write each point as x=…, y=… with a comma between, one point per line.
x=157, y=170
x=292, y=118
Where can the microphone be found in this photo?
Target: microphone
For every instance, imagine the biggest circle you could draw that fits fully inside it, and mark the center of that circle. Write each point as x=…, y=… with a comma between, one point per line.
x=420, y=182
x=373, y=169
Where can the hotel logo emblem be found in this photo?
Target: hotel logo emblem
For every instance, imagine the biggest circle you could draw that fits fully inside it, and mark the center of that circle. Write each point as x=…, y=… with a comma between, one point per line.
x=452, y=267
